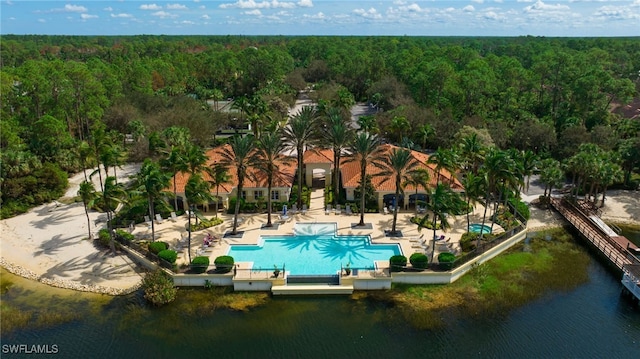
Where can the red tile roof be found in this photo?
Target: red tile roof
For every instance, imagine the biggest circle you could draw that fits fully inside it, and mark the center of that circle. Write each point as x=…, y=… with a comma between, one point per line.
x=318, y=155
x=350, y=172
x=253, y=178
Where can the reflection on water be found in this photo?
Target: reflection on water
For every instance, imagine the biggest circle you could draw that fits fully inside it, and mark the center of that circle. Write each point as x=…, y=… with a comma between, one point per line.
x=589, y=321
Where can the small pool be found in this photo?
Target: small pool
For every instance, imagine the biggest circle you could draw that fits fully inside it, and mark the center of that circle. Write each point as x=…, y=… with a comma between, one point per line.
x=315, y=249
x=477, y=228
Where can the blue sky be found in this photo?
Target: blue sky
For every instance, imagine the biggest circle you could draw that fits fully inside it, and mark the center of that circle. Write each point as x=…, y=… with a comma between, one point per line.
x=324, y=17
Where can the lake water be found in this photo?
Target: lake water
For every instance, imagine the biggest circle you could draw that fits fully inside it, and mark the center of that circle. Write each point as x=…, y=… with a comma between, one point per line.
x=591, y=321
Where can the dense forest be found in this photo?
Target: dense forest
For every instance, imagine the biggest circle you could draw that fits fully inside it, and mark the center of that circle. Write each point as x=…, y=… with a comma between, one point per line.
x=69, y=102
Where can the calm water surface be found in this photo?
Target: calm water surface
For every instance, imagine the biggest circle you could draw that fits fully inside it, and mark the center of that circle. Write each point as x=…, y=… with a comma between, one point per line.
x=592, y=321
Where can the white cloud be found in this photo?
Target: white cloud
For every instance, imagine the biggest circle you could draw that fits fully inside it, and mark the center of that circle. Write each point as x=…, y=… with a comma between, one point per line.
x=491, y=15
x=74, y=8
x=150, y=7
x=477, y=1
x=205, y=16
x=164, y=14
x=122, y=15
x=617, y=13
x=540, y=6
x=176, y=7
x=42, y=20
x=369, y=14
x=254, y=12
x=318, y=16
x=251, y=4
x=108, y=8
x=87, y=16
x=468, y=8
x=309, y=3
x=187, y=22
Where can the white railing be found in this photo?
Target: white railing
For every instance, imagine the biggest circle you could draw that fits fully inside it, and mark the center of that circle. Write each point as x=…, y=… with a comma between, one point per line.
x=631, y=284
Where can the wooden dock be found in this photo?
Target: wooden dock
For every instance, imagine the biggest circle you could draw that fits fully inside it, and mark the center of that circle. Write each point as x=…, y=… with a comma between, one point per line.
x=617, y=249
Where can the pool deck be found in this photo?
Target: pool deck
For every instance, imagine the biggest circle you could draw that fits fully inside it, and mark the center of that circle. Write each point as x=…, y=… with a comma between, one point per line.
x=251, y=226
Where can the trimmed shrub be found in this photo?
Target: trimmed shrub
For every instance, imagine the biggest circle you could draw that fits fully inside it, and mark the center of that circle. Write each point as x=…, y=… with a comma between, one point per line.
x=521, y=207
x=124, y=236
x=103, y=237
x=397, y=263
x=446, y=260
x=204, y=224
x=158, y=288
x=468, y=241
x=157, y=247
x=168, y=255
x=200, y=264
x=419, y=260
x=224, y=264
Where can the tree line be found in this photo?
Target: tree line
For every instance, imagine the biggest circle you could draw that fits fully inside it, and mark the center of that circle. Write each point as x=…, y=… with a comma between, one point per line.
x=548, y=96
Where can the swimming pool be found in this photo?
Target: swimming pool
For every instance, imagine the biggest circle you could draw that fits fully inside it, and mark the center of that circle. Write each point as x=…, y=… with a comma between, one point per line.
x=314, y=249
x=477, y=227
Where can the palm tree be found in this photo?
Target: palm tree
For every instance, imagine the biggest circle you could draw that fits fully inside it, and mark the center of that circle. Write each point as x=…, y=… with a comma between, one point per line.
x=113, y=193
x=529, y=162
x=174, y=163
x=396, y=164
x=196, y=191
x=500, y=175
x=442, y=159
x=85, y=153
x=238, y=155
x=609, y=174
x=338, y=134
x=418, y=178
x=87, y=193
x=473, y=189
x=219, y=176
x=268, y=159
x=472, y=152
x=297, y=135
x=551, y=175
x=365, y=149
x=399, y=125
x=425, y=132
x=152, y=181
x=442, y=201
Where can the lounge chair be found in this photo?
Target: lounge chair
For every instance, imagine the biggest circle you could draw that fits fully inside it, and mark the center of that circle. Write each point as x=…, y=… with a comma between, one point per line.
x=147, y=220
x=294, y=208
x=347, y=210
x=174, y=218
x=338, y=209
x=304, y=208
x=385, y=210
x=159, y=218
x=328, y=210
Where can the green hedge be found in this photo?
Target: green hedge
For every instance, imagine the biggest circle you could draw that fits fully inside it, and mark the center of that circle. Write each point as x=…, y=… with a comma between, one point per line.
x=157, y=247
x=446, y=260
x=468, y=241
x=200, y=264
x=419, y=260
x=158, y=288
x=124, y=236
x=397, y=263
x=103, y=237
x=204, y=224
x=521, y=207
x=168, y=255
x=224, y=264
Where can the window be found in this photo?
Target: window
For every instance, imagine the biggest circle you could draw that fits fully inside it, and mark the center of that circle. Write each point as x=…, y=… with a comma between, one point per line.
x=275, y=195
x=257, y=194
x=243, y=195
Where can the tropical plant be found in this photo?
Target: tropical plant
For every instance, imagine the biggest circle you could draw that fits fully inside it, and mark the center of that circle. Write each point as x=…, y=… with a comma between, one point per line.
x=238, y=155
x=88, y=195
x=219, y=176
x=152, y=182
x=418, y=178
x=338, y=135
x=365, y=149
x=158, y=288
x=396, y=164
x=196, y=191
x=297, y=135
x=268, y=160
x=113, y=193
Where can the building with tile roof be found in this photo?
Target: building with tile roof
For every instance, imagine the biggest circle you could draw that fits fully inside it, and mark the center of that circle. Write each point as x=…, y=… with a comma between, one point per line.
x=255, y=183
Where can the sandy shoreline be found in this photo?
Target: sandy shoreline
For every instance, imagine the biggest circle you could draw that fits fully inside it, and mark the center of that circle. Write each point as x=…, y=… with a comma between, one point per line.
x=50, y=243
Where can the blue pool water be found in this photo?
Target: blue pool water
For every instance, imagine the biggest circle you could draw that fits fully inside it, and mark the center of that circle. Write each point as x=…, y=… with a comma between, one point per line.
x=477, y=227
x=314, y=250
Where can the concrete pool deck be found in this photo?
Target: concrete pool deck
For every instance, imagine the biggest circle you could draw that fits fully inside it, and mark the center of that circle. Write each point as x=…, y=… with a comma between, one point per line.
x=251, y=226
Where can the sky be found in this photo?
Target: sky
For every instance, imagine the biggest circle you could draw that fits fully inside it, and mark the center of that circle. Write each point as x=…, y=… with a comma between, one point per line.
x=566, y=18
